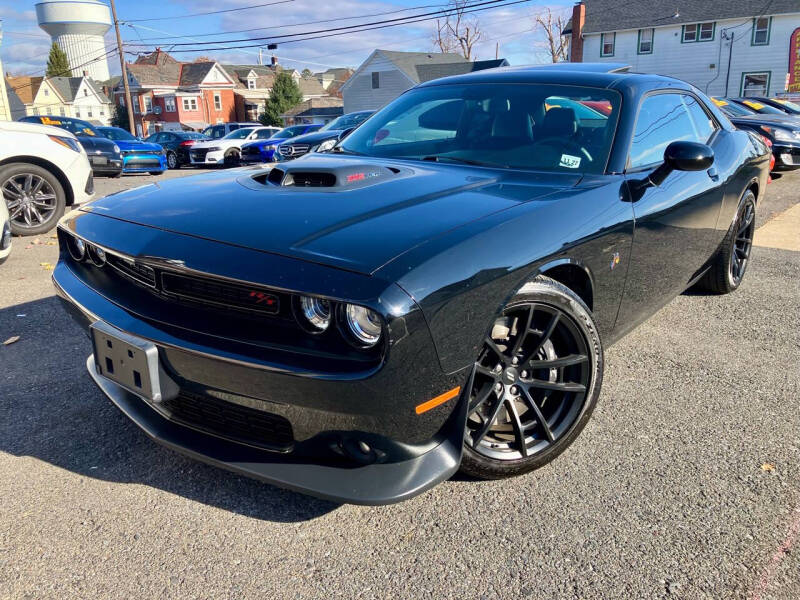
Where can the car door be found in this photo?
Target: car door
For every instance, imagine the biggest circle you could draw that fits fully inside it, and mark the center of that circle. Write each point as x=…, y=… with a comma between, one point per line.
x=675, y=231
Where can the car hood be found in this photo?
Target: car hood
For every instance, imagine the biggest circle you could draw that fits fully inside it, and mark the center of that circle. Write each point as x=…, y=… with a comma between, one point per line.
x=219, y=143
x=263, y=143
x=135, y=146
x=372, y=215
x=776, y=120
x=314, y=137
x=96, y=145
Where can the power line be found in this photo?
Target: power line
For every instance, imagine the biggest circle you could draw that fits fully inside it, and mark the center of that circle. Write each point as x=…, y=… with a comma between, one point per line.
x=62, y=73
x=338, y=31
x=213, y=12
x=379, y=14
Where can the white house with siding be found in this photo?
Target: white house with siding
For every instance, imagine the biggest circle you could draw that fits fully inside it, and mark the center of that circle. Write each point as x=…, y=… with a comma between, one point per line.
x=386, y=74
x=733, y=48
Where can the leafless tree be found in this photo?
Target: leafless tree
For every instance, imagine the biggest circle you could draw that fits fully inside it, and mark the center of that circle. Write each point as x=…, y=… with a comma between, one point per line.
x=551, y=25
x=458, y=32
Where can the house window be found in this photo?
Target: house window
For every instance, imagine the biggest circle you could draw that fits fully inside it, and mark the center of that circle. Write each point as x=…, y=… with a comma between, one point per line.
x=376, y=80
x=135, y=102
x=46, y=92
x=122, y=101
x=646, y=41
x=698, y=32
x=35, y=111
x=755, y=84
x=102, y=112
x=62, y=112
x=761, y=27
x=78, y=113
x=85, y=92
x=251, y=83
x=607, y=44
x=148, y=104
x=169, y=103
x=89, y=112
x=190, y=104
x=217, y=101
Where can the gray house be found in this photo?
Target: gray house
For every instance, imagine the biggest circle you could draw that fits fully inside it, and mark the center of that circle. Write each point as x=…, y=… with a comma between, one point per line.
x=387, y=74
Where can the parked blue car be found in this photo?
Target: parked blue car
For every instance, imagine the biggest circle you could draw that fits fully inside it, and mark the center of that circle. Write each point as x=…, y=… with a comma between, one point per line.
x=264, y=150
x=137, y=156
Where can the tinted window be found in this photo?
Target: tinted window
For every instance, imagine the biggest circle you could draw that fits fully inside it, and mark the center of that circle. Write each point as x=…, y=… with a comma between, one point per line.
x=116, y=134
x=239, y=134
x=75, y=126
x=264, y=134
x=346, y=121
x=663, y=119
x=703, y=124
x=541, y=127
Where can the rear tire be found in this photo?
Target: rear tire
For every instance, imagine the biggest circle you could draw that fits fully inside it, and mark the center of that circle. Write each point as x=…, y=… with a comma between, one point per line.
x=34, y=197
x=535, y=383
x=731, y=260
x=172, y=161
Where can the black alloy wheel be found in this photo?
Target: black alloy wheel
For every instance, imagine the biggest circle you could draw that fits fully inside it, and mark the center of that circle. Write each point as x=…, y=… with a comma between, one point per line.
x=733, y=256
x=742, y=242
x=172, y=160
x=534, y=383
x=34, y=197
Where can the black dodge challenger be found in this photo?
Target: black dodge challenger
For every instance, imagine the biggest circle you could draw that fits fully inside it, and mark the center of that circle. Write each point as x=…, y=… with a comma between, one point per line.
x=435, y=293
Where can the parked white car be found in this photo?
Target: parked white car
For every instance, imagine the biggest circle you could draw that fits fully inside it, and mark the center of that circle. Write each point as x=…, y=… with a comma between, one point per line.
x=43, y=170
x=227, y=150
x=5, y=233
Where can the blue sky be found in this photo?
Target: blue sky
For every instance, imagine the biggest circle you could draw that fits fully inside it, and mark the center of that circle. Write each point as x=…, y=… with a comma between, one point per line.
x=24, y=46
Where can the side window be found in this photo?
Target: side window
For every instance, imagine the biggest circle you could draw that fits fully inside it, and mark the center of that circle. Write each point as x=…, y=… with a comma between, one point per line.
x=663, y=119
x=217, y=131
x=703, y=124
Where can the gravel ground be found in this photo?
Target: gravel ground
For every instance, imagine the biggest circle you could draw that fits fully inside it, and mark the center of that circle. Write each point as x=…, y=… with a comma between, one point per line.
x=685, y=484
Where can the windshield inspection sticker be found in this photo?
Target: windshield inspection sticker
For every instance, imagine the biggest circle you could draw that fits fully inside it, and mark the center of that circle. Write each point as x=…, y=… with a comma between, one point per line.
x=570, y=162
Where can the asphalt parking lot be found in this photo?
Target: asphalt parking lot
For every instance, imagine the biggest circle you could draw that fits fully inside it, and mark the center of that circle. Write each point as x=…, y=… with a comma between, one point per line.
x=685, y=483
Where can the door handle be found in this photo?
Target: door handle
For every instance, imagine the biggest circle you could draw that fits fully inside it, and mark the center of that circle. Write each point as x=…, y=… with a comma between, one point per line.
x=712, y=173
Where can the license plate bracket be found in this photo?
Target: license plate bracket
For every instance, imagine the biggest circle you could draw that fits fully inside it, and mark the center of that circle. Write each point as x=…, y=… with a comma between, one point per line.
x=126, y=360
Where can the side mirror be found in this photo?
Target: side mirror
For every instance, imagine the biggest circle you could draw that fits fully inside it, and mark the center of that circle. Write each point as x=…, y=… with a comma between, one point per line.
x=683, y=156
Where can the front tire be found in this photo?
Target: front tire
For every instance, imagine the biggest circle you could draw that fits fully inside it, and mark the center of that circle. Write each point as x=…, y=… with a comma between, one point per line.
x=535, y=383
x=231, y=159
x=172, y=161
x=730, y=263
x=34, y=196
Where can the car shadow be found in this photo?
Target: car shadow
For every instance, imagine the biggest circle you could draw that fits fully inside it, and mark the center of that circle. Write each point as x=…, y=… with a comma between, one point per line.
x=51, y=410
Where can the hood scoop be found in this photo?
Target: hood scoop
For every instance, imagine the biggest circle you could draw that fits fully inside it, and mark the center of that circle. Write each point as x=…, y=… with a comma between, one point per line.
x=342, y=176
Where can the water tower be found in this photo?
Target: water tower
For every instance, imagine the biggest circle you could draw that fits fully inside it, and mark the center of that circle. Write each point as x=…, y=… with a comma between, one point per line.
x=78, y=26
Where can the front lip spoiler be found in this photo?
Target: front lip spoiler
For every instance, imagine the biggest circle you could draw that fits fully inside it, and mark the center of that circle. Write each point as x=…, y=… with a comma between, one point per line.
x=374, y=484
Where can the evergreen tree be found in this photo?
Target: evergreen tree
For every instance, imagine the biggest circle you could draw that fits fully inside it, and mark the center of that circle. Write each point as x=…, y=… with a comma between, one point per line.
x=57, y=63
x=284, y=95
x=307, y=73
x=120, y=118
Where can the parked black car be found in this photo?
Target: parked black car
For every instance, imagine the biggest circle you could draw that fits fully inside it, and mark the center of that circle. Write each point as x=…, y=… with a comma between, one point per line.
x=786, y=106
x=177, y=145
x=437, y=292
x=321, y=140
x=104, y=155
x=780, y=129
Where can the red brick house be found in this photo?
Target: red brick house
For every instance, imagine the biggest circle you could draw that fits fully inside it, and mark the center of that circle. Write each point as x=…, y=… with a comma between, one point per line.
x=171, y=95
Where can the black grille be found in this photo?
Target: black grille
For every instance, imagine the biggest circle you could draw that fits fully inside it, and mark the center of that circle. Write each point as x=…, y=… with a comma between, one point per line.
x=222, y=294
x=295, y=150
x=251, y=151
x=136, y=271
x=309, y=179
x=143, y=162
x=198, y=155
x=228, y=420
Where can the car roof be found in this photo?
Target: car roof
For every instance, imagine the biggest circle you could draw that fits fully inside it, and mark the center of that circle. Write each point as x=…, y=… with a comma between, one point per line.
x=606, y=75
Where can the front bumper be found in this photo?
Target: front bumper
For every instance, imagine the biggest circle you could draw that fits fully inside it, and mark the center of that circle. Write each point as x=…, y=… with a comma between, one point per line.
x=143, y=163
x=787, y=155
x=210, y=158
x=103, y=165
x=331, y=412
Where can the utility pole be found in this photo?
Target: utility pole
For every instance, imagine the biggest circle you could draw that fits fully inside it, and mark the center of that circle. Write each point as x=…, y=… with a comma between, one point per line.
x=128, y=103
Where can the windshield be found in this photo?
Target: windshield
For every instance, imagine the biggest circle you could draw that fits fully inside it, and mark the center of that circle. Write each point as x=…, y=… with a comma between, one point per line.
x=290, y=132
x=792, y=107
x=116, y=134
x=762, y=108
x=75, y=126
x=239, y=134
x=191, y=135
x=732, y=109
x=345, y=121
x=522, y=126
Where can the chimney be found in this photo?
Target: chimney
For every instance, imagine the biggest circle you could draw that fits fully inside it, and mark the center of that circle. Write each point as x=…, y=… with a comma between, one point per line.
x=274, y=60
x=576, y=42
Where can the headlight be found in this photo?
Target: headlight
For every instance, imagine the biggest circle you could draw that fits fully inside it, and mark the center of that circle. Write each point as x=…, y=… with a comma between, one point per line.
x=316, y=311
x=326, y=145
x=784, y=135
x=364, y=324
x=116, y=148
x=96, y=255
x=214, y=149
x=66, y=142
x=76, y=248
